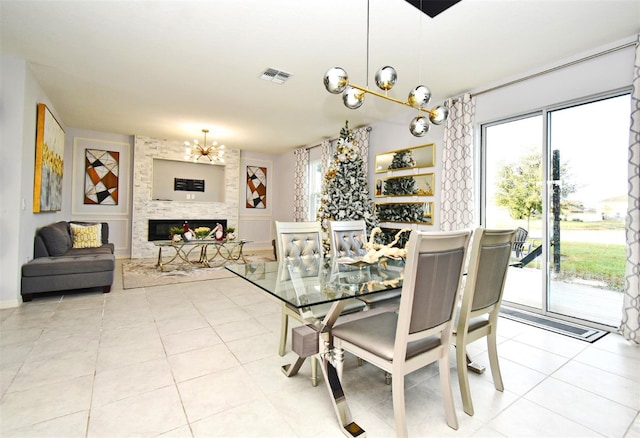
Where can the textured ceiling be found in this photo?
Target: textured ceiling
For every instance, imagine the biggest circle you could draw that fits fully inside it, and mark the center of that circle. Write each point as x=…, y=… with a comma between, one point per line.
x=168, y=69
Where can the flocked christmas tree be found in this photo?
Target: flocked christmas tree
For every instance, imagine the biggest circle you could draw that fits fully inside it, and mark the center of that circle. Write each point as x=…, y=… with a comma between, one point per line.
x=402, y=185
x=345, y=195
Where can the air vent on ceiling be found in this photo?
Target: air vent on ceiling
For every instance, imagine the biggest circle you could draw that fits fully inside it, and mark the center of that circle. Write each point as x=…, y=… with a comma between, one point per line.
x=276, y=76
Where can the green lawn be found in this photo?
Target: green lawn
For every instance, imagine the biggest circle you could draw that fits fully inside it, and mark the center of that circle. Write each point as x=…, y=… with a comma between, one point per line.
x=586, y=260
x=594, y=261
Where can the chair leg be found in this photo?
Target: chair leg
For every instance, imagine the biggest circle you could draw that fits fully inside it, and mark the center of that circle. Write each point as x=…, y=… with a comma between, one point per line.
x=284, y=326
x=463, y=378
x=314, y=371
x=447, y=393
x=399, y=413
x=493, y=359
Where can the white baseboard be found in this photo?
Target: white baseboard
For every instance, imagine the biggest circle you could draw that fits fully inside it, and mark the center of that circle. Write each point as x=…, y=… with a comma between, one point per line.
x=10, y=304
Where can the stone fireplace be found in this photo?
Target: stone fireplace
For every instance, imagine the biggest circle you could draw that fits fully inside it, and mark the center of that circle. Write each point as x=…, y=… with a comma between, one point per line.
x=145, y=208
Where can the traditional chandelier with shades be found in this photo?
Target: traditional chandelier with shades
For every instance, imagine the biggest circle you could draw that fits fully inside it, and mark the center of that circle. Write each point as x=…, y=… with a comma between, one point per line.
x=336, y=81
x=196, y=150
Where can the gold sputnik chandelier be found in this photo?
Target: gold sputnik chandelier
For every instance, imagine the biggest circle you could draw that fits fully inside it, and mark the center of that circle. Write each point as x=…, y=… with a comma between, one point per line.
x=195, y=151
x=336, y=81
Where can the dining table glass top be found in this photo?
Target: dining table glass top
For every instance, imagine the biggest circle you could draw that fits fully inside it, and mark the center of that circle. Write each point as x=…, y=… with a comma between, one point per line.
x=310, y=282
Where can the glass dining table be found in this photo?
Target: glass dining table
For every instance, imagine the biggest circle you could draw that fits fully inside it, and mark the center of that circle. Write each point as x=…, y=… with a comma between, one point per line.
x=304, y=284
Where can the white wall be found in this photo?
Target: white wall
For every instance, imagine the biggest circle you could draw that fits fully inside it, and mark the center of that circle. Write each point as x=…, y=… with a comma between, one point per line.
x=117, y=216
x=20, y=95
x=256, y=224
x=598, y=75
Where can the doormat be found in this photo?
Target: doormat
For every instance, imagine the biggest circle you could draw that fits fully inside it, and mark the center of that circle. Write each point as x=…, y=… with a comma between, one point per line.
x=576, y=331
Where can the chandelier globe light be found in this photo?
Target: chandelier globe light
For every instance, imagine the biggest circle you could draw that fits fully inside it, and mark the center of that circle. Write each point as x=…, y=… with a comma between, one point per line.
x=213, y=152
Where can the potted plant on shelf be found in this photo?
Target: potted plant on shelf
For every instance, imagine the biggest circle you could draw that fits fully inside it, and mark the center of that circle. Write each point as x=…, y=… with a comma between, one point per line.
x=175, y=233
x=231, y=233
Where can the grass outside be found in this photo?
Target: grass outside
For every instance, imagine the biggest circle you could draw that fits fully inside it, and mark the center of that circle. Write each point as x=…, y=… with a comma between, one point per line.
x=602, y=262
x=593, y=261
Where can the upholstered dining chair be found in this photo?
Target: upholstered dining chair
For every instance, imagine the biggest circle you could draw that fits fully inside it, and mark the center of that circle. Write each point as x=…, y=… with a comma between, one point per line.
x=347, y=239
x=300, y=244
x=478, y=314
x=419, y=333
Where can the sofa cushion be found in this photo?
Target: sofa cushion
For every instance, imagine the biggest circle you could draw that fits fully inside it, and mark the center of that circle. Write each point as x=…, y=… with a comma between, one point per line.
x=104, y=249
x=56, y=238
x=86, y=236
x=79, y=264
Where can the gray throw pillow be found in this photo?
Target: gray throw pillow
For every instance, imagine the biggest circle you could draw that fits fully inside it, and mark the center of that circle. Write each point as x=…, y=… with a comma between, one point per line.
x=56, y=240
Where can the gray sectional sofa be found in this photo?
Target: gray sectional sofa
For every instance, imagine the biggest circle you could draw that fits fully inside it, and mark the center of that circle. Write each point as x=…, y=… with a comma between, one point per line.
x=58, y=266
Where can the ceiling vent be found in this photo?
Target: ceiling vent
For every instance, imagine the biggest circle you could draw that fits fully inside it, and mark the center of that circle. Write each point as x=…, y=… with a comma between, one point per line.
x=276, y=76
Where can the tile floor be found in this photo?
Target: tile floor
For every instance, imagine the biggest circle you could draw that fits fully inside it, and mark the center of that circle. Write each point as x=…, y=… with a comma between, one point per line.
x=199, y=360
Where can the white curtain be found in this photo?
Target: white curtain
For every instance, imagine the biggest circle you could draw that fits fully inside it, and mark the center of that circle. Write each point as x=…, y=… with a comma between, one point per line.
x=301, y=200
x=456, y=197
x=630, y=326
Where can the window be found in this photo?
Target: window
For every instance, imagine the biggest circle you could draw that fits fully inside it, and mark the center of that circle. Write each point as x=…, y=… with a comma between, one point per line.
x=315, y=188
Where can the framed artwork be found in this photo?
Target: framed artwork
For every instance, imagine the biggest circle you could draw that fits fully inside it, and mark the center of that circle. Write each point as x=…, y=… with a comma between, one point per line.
x=256, y=187
x=418, y=156
x=101, y=177
x=49, y=163
x=409, y=185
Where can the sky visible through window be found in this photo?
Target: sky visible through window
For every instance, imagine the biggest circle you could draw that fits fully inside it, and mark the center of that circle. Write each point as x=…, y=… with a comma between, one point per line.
x=593, y=140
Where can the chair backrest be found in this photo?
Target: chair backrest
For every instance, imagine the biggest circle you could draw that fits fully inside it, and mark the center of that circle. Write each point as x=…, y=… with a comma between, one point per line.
x=486, y=273
x=296, y=241
x=433, y=273
x=347, y=238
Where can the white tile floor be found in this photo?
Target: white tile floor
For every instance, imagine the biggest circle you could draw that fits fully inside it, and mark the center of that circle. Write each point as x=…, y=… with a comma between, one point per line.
x=199, y=360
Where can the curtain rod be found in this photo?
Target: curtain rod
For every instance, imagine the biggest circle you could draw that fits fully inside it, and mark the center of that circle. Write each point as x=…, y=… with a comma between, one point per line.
x=559, y=67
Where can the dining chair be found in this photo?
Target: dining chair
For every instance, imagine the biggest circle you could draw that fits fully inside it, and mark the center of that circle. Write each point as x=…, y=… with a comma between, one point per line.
x=481, y=298
x=300, y=244
x=419, y=333
x=347, y=239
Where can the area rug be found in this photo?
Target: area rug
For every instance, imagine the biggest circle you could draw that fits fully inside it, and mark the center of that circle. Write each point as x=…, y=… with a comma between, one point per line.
x=143, y=272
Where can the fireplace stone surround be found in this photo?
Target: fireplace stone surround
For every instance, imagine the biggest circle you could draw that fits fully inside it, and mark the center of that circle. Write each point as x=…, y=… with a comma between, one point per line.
x=145, y=208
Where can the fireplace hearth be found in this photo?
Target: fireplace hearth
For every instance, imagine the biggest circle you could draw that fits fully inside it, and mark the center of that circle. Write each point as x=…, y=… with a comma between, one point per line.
x=159, y=228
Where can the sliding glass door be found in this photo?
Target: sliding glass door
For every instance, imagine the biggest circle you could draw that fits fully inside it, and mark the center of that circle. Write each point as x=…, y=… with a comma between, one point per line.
x=587, y=200
x=512, y=198
x=559, y=175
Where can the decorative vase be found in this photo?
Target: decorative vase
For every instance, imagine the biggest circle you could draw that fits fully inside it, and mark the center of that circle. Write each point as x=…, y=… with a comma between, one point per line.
x=176, y=238
x=231, y=236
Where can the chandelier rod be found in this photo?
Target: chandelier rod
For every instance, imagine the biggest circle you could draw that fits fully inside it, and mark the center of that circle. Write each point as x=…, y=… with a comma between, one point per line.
x=384, y=96
x=367, y=77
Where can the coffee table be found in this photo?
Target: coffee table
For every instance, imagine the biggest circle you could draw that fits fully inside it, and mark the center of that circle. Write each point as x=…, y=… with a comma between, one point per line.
x=204, y=251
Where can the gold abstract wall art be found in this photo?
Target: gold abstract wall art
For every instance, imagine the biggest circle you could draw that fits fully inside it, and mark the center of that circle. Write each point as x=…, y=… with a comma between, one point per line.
x=49, y=164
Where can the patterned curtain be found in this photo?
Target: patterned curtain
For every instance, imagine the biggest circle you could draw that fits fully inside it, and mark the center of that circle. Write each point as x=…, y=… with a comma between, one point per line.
x=630, y=326
x=301, y=200
x=325, y=155
x=361, y=137
x=456, y=199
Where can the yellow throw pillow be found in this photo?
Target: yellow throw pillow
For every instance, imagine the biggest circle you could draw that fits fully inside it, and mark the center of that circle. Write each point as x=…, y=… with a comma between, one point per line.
x=86, y=236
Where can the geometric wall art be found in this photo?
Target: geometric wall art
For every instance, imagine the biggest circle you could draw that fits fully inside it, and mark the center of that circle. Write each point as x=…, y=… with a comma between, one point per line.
x=101, y=177
x=256, y=187
x=49, y=164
